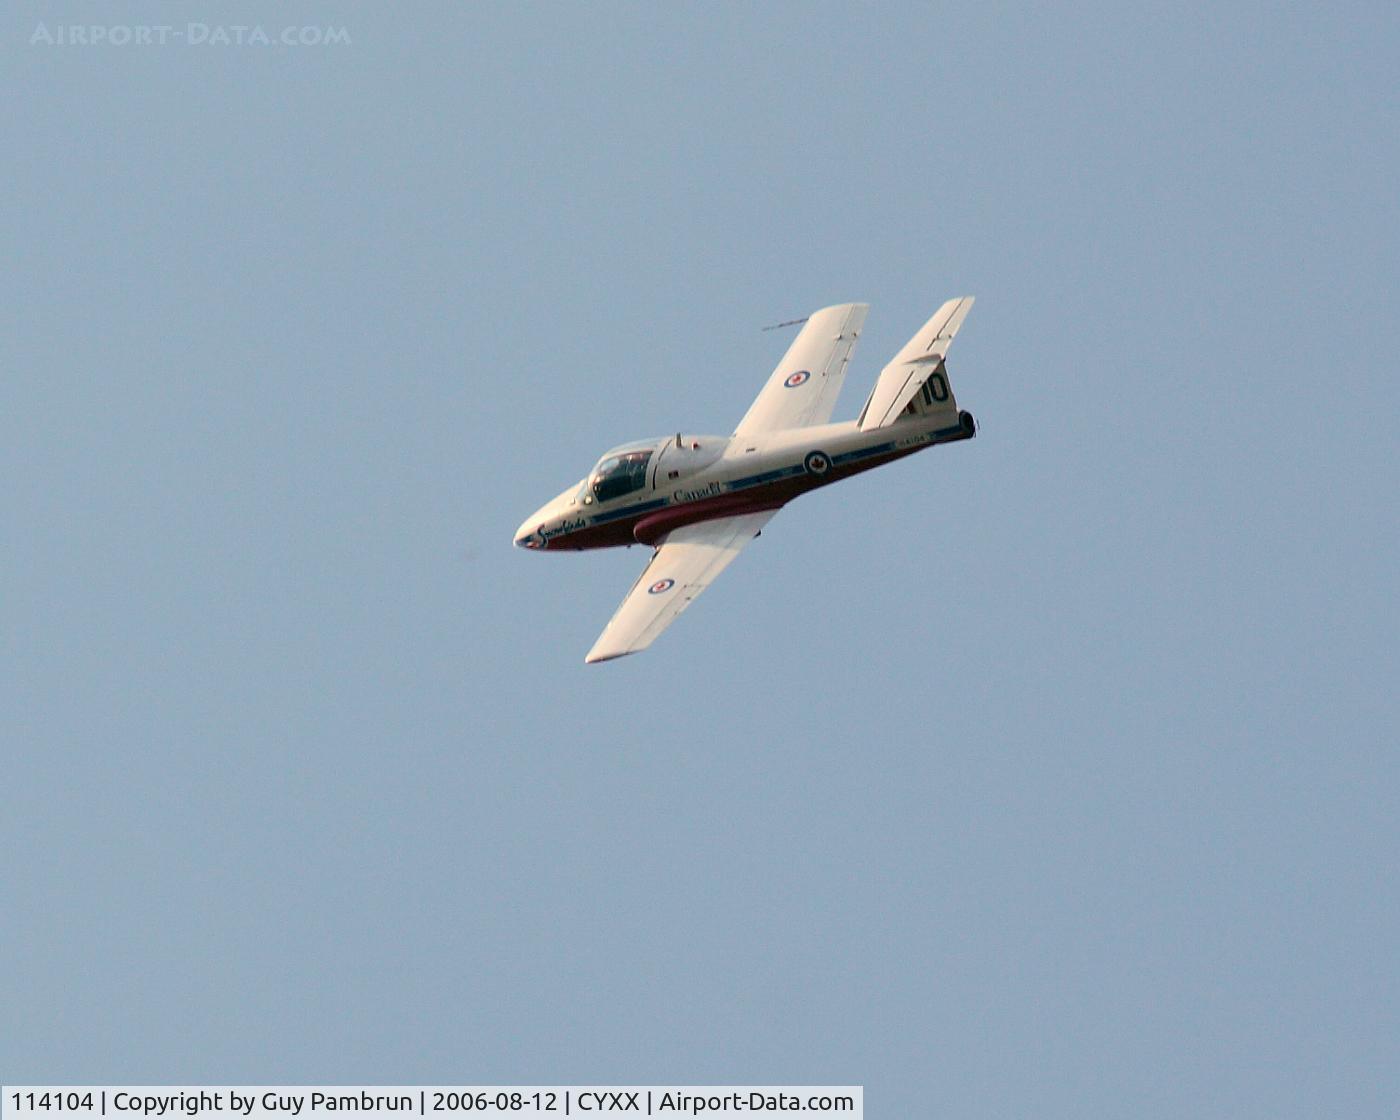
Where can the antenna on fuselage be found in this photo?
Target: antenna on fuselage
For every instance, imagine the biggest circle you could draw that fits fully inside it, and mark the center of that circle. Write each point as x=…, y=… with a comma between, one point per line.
x=789, y=323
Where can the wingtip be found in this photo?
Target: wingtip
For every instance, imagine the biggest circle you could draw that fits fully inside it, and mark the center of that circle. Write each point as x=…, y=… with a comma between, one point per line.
x=842, y=307
x=595, y=658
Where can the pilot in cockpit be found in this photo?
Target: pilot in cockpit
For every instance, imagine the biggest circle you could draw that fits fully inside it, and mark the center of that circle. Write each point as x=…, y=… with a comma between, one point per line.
x=619, y=472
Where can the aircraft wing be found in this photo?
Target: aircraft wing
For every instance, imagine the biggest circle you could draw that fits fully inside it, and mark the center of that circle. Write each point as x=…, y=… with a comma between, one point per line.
x=804, y=387
x=687, y=562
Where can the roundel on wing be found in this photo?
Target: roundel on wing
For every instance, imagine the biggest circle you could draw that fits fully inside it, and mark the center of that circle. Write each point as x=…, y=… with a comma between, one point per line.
x=795, y=379
x=660, y=586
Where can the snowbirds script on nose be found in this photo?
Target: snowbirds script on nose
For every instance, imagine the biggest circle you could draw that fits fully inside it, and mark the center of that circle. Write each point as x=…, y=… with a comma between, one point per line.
x=698, y=500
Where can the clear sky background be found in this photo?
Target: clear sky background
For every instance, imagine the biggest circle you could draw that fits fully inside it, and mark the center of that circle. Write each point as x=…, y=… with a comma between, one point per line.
x=1049, y=774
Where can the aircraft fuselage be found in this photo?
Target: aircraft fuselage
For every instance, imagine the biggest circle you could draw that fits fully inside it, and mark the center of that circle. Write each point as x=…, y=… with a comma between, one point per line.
x=690, y=479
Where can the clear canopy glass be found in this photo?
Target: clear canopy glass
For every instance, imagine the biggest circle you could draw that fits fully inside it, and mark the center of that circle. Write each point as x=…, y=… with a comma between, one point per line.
x=621, y=471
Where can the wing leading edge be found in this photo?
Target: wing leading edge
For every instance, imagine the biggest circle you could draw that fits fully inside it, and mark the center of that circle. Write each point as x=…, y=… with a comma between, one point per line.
x=687, y=562
x=803, y=389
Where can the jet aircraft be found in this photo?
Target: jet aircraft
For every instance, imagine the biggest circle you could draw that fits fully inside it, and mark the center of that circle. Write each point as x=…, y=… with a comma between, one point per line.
x=698, y=500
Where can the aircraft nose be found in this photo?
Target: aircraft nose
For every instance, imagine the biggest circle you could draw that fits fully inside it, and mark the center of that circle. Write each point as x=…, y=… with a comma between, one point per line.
x=532, y=531
x=525, y=536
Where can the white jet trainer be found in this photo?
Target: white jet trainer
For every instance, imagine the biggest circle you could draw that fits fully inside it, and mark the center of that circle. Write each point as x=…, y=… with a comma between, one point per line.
x=700, y=499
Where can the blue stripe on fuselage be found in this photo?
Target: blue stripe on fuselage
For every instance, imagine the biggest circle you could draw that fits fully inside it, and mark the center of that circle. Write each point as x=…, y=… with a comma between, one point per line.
x=641, y=507
x=766, y=476
x=862, y=453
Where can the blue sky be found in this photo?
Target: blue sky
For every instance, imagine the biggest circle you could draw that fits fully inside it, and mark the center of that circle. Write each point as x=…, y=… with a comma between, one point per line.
x=1052, y=773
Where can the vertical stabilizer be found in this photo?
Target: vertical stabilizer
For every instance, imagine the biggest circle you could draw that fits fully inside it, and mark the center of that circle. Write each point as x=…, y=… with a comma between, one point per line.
x=916, y=381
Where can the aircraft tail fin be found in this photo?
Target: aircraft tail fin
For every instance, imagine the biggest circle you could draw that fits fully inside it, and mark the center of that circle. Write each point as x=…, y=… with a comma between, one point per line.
x=915, y=383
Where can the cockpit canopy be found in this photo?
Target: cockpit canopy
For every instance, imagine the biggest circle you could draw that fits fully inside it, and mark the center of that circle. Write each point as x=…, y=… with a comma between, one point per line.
x=659, y=462
x=620, y=471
